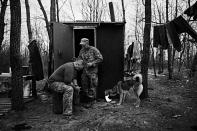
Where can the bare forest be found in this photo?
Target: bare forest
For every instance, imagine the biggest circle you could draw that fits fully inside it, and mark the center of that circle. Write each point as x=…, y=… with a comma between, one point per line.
x=163, y=36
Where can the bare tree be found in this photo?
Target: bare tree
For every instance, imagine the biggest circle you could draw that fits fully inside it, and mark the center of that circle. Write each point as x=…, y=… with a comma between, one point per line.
x=15, y=34
x=154, y=65
x=70, y=4
x=2, y=24
x=174, y=50
x=93, y=10
x=193, y=66
x=169, y=49
x=57, y=7
x=123, y=11
x=53, y=11
x=137, y=24
x=50, y=38
x=45, y=18
x=146, y=48
x=28, y=19
x=123, y=19
x=160, y=48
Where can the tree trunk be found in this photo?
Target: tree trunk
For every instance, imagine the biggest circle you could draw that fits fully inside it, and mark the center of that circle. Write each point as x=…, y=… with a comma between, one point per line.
x=45, y=18
x=174, y=51
x=123, y=11
x=2, y=24
x=181, y=55
x=188, y=55
x=136, y=22
x=170, y=71
x=50, y=66
x=28, y=19
x=154, y=65
x=160, y=64
x=194, y=66
x=15, y=59
x=146, y=48
x=57, y=6
x=160, y=60
x=52, y=19
x=53, y=11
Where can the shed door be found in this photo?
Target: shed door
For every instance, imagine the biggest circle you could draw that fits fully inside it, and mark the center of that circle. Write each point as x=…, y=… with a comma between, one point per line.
x=62, y=44
x=110, y=42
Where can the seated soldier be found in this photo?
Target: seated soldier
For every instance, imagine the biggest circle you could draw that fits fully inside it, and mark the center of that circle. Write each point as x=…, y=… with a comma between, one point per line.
x=63, y=80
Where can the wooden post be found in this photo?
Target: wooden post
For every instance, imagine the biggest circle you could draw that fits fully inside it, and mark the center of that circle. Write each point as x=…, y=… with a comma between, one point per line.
x=111, y=9
x=34, y=91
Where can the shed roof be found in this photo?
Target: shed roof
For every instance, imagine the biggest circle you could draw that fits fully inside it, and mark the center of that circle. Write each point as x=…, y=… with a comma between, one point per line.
x=92, y=23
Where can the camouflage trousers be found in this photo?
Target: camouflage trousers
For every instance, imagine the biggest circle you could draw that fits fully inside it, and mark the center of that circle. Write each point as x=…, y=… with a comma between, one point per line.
x=89, y=84
x=68, y=92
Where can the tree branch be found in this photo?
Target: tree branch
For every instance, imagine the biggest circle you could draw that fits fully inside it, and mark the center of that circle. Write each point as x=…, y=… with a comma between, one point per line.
x=72, y=10
x=45, y=17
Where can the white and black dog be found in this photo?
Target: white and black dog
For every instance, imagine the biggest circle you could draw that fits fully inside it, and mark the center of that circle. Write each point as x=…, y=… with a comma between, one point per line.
x=127, y=87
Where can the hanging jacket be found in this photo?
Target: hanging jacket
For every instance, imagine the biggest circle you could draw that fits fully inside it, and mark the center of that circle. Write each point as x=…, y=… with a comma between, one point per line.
x=177, y=26
x=163, y=37
x=130, y=50
x=160, y=37
x=35, y=60
x=156, y=36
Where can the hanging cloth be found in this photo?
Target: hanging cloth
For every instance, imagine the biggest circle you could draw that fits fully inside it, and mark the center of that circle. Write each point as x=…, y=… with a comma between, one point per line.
x=130, y=50
x=35, y=60
x=156, y=36
x=160, y=37
x=176, y=27
x=163, y=37
x=192, y=11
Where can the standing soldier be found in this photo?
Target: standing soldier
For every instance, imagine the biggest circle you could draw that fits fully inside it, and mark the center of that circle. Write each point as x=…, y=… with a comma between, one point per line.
x=91, y=57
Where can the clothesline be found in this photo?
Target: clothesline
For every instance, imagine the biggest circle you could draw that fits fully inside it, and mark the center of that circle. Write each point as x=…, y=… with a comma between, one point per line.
x=156, y=23
x=168, y=33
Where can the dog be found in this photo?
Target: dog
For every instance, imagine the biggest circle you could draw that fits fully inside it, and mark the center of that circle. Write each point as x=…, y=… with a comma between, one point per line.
x=138, y=87
x=127, y=88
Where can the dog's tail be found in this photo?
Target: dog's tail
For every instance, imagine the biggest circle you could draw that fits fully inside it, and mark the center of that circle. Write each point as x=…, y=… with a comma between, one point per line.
x=138, y=78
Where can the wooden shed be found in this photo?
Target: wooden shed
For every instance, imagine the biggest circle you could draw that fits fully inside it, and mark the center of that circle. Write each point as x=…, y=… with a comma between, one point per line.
x=106, y=36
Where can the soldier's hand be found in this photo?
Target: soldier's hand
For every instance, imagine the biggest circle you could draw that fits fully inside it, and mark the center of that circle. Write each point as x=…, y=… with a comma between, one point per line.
x=89, y=64
x=76, y=87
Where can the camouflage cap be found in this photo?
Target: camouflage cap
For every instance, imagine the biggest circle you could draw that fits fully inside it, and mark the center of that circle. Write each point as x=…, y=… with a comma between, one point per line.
x=84, y=41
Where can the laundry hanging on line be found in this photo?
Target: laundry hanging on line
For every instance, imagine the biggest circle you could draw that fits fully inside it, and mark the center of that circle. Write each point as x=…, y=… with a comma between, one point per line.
x=174, y=28
x=35, y=60
x=160, y=37
x=192, y=11
x=130, y=50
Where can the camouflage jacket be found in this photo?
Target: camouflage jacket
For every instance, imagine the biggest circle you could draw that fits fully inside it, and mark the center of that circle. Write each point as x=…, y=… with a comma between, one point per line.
x=91, y=55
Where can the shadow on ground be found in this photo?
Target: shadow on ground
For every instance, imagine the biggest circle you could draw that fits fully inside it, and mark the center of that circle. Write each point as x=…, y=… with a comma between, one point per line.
x=172, y=105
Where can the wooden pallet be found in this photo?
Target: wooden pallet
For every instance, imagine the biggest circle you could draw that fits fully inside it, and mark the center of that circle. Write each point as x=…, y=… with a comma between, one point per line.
x=5, y=106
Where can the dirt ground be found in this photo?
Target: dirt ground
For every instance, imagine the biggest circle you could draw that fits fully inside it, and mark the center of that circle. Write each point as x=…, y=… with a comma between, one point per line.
x=172, y=105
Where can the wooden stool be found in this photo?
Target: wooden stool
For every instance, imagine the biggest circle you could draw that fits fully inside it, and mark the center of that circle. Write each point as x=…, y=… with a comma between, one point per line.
x=58, y=101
